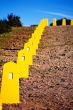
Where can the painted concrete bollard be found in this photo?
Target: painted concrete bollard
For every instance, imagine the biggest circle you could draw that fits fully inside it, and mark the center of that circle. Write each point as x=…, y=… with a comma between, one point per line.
x=10, y=84
x=9, y=93
x=71, y=22
x=54, y=22
x=64, y=22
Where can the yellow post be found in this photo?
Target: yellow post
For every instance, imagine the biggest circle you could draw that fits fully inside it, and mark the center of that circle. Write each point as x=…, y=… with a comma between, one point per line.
x=25, y=56
x=13, y=71
x=71, y=22
x=64, y=22
x=0, y=102
x=54, y=22
x=0, y=106
x=10, y=84
x=22, y=63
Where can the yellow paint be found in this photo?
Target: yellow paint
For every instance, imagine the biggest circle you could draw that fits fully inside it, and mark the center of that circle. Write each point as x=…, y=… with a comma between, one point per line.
x=0, y=106
x=25, y=56
x=54, y=22
x=0, y=103
x=72, y=22
x=13, y=71
x=64, y=22
x=22, y=63
x=10, y=84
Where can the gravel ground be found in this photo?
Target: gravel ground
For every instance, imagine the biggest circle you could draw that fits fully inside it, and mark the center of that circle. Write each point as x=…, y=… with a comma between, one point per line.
x=50, y=84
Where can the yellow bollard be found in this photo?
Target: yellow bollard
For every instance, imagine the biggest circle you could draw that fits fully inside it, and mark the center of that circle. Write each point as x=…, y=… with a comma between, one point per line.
x=64, y=22
x=13, y=71
x=0, y=106
x=23, y=61
x=0, y=103
x=54, y=22
x=71, y=22
x=10, y=84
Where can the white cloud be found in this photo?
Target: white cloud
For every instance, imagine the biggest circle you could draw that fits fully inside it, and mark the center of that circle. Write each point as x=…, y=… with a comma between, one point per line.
x=55, y=13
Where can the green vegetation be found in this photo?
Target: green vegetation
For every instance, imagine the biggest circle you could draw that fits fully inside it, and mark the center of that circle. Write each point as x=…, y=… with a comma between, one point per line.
x=4, y=26
x=7, y=24
x=14, y=20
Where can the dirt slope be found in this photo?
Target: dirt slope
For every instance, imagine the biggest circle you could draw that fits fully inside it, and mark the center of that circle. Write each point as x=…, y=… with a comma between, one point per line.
x=11, y=42
x=50, y=85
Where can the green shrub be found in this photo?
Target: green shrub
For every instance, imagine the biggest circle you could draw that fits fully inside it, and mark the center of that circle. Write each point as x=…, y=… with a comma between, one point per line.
x=14, y=21
x=4, y=26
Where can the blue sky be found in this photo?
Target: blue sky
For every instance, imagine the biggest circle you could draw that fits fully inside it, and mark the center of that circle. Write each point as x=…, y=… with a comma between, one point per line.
x=32, y=11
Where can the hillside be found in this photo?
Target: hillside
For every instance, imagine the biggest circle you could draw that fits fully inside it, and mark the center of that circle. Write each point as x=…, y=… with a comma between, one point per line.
x=11, y=42
x=50, y=85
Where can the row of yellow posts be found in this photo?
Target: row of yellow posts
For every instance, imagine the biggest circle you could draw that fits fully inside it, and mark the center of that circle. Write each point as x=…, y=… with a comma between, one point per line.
x=9, y=93
x=63, y=22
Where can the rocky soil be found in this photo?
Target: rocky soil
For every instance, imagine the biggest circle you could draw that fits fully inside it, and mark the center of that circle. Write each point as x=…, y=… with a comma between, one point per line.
x=50, y=84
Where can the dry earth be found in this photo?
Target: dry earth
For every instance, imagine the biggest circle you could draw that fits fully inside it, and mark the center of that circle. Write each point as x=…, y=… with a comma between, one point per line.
x=50, y=84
